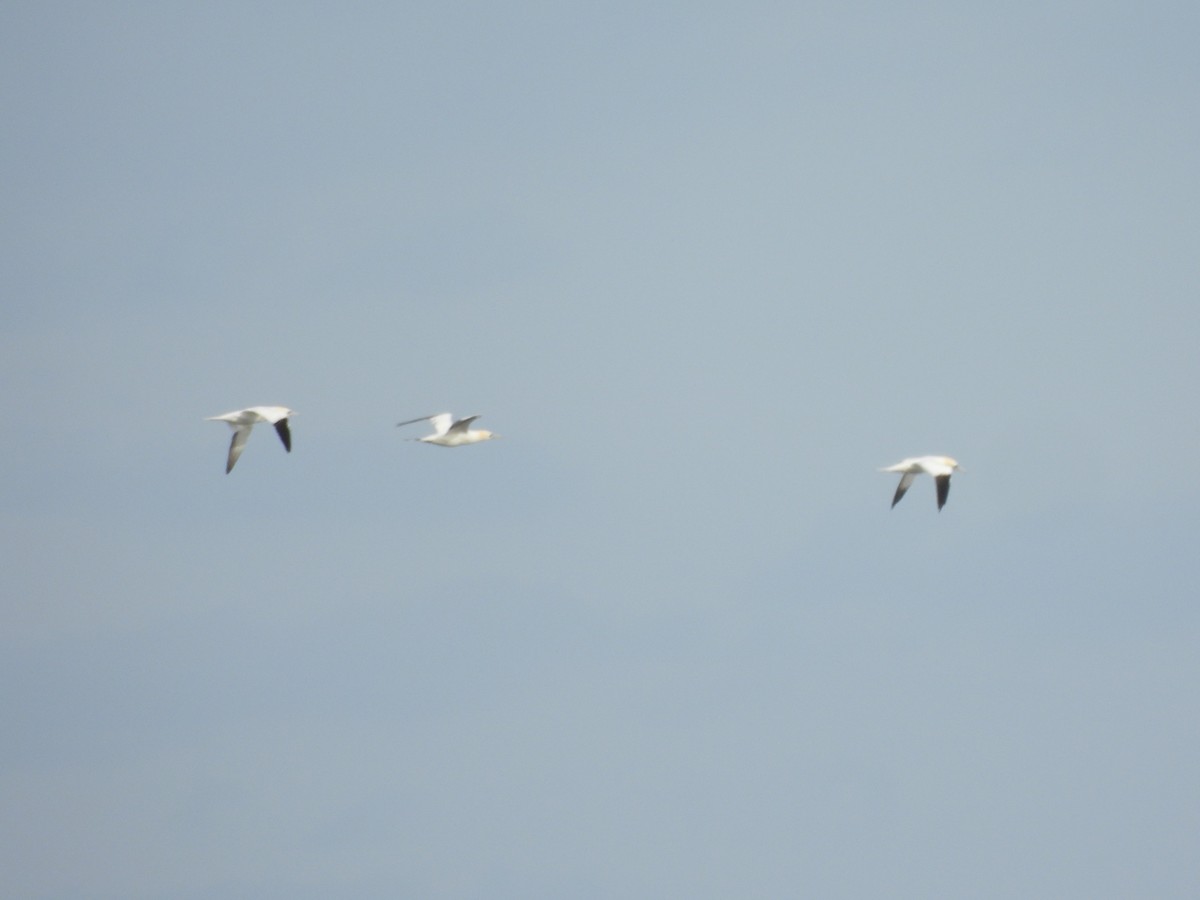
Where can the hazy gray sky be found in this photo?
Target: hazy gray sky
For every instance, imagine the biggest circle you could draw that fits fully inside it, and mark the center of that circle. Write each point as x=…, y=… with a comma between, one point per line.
x=706, y=267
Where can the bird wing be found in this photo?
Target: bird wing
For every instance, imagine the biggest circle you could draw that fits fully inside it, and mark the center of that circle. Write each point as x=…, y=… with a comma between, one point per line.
x=441, y=423
x=235, y=447
x=905, y=482
x=285, y=434
x=943, y=488
x=462, y=425
x=414, y=421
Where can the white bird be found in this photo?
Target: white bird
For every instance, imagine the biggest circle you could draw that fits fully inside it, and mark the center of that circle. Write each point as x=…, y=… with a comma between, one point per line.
x=448, y=433
x=940, y=467
x=243, y=420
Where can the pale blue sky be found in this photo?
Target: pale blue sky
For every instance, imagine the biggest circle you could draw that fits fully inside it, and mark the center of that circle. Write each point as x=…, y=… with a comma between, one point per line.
x=706, y=267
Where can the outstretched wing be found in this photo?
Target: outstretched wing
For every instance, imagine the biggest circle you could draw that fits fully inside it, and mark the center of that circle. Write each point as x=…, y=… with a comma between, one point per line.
x=414, y=421
x=462, y=425
x=285, y=435
x=235, y=447
x=441, y=423
x=905, y=482
x=943, y=488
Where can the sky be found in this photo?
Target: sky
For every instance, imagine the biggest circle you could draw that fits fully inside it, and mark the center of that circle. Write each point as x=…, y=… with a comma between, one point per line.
x=706, y=267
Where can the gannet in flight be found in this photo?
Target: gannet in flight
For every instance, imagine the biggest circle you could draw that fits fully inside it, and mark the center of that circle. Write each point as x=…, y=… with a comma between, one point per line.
x=243, y=420
x=940, y=467
x=448, y=433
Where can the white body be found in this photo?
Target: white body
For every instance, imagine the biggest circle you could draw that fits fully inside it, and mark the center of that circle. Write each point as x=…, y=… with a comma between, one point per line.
x=448, y=433
x=242, y=421
x=940, y=467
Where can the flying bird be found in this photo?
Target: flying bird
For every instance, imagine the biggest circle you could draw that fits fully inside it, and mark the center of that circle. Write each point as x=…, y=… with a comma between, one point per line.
x=448, y=433
x=243, y=420
x=940, y=467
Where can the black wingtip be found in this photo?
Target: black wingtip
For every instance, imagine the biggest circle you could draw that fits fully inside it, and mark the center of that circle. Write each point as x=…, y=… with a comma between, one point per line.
x=281, y=428
x=943, y=490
